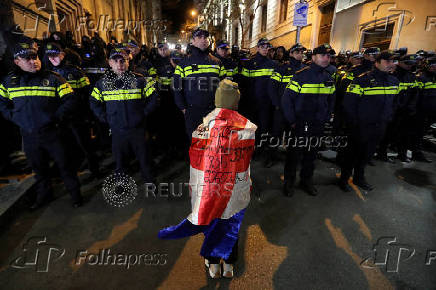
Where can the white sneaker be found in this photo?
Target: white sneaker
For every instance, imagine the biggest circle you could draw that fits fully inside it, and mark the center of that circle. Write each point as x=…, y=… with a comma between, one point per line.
x=227, y=270
x=215, y=271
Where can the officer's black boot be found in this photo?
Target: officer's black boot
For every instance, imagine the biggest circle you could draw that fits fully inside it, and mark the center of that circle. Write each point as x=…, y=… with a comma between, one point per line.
x=383, y=156
x=419, y=156
x=344, y=186
x=307, y=186
x=77, y=199
x=288, y=188
x=402, y=156
x=361, y=182
x=40, y=201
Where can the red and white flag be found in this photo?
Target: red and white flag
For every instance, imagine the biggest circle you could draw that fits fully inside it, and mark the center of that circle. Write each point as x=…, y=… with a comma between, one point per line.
x=220, y=156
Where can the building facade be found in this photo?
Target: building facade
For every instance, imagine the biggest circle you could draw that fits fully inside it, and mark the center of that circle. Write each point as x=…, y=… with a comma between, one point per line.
x=346, y=24
x=122, y=19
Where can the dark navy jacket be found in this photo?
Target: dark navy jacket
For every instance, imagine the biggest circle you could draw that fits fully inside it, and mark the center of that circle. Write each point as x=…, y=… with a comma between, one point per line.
x=35, y=100
x=196, y=79
x=369, y=98
x=407, y=98
x=164, y=71
x=123, y=101
x=81, y=86
x=255, y=78
x=230, y=66
x=427, y=93
x=309, y=97
x=282, y=75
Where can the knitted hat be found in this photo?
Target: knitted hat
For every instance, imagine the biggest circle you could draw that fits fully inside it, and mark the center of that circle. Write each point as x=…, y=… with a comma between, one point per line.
x=227, y=95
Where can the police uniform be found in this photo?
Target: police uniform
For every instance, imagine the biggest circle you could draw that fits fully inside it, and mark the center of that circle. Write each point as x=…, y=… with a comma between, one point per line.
x=368, y=106
x=229, y=64
x=167, y=118
x=307, y=105
x=255, y=78
x=357, y=70
x=280, y=78
x=124, y=101
x=195, y=81
x=80, y=121
x=426, y=107
x=37, y=102
x=344, y=76
x=401, y=130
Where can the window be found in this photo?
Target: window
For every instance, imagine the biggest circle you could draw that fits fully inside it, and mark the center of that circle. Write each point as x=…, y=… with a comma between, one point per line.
x=264, y=18
x=283, y=10
x=380, y=36
x=325, y=25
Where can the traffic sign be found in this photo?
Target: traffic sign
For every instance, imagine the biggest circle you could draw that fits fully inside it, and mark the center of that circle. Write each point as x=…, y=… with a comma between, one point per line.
x=300, y=14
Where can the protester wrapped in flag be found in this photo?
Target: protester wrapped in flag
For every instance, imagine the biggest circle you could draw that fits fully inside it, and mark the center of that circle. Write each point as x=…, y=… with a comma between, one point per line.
x=220, y=183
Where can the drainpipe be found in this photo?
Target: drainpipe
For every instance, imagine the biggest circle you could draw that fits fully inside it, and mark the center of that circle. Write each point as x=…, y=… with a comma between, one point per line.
x=400, y=26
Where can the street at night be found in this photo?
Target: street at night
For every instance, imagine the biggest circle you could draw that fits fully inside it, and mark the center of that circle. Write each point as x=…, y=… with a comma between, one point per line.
x=300, y=243
x=218, y=144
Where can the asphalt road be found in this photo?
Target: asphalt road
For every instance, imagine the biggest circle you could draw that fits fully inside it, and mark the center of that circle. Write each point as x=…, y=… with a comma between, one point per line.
x=304, y=242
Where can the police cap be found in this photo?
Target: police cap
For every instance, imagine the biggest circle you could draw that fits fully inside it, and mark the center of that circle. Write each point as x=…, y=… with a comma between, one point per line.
x=264, y=41
x=223, y=44
x=24, y=48
x=297, y=47
x=200, y=32
x=53, y=49
x=118, y=52
x=372, y=51
x=324, y=49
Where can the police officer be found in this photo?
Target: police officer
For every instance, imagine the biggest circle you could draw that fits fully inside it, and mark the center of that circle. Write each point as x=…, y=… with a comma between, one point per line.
x=178, y=49
x=223, y=54
x=354, y=60
x=235, y=53
x=400, y=131
x=307, y=105
x=369, y=57
x=37, y=100
x=426, y=107
x=167, y=118
x=280, y=78
x=80, y=121
x=368, y=107
x=256, y=101
x=195, y=81
x=137, y=63
x=123, y=99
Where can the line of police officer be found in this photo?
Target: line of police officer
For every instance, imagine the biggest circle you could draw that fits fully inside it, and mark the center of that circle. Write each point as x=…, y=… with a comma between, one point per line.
x=276, y=95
